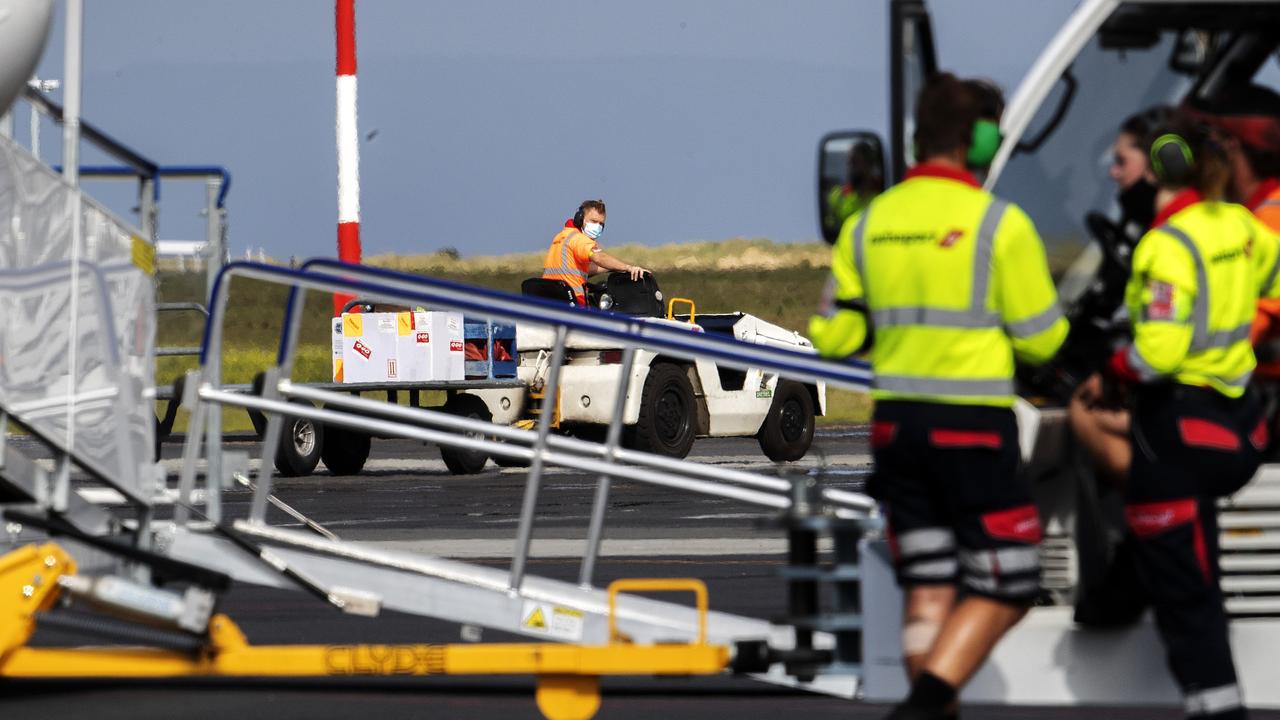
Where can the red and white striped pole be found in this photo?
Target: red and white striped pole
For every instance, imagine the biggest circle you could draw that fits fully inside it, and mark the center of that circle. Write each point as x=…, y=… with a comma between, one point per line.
x=348, y=142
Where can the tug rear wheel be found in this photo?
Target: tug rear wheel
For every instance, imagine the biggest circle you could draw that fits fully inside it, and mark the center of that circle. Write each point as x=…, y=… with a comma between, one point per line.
x=667, y=411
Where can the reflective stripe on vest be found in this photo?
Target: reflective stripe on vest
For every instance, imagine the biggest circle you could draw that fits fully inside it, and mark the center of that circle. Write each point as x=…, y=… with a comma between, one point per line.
x=566, y=268
x=1035, y=324
x=974, y=317
x=1201, y=338
x=942, y=386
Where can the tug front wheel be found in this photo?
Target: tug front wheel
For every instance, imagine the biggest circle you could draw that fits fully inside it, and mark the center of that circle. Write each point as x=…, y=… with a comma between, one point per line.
x=787, y=431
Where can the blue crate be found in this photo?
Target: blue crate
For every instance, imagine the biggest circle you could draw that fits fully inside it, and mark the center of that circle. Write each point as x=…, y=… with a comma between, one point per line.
x=491, y=349
x=502, y=350
x=476, y=343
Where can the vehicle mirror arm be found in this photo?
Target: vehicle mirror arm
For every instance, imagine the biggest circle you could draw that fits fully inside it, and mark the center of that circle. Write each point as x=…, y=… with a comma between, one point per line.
x=1059, y=114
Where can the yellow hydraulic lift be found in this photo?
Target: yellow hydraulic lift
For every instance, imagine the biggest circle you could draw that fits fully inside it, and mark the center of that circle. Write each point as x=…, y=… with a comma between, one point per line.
x=32, y=578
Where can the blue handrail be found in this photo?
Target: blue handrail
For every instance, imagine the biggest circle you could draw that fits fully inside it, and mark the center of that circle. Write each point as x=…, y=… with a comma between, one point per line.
x=161, y=171
x=519, y=308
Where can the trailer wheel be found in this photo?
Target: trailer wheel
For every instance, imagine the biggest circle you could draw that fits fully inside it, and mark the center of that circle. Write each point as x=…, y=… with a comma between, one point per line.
x=301, y=443
x=787, y=431
x=345, y=451
x=458, y=460
x=667, y=411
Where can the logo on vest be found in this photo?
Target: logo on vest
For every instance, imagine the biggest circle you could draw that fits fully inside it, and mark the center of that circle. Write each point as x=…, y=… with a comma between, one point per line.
x=1162, y=305
x=951, y=238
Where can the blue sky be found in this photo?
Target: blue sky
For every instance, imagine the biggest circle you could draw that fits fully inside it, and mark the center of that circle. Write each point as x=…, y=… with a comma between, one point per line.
x=494, y=118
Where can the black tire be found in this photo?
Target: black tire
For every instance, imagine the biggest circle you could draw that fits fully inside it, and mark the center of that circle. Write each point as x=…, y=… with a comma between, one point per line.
x=345, y=451
x=787, y=431
x=509, y=462
x=668, y=410
x=458, y=460
x=301, y=443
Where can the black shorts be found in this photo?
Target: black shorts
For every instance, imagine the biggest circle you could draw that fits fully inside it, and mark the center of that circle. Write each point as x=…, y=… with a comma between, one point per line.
x=957, y=509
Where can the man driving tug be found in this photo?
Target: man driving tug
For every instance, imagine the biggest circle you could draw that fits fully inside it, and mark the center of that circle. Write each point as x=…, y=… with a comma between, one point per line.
x=575, y=254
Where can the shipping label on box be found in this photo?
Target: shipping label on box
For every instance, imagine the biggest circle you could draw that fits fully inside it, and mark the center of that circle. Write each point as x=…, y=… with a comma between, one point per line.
x=448, y=353
x=336, y=343
x=411, y=346
x=369, y=348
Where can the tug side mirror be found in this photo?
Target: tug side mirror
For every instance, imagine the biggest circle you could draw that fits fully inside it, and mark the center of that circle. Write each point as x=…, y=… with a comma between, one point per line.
x=851, y=171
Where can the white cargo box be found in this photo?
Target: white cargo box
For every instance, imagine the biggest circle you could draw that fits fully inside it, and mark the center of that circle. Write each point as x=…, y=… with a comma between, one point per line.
x=397, y=347
x=429, y=346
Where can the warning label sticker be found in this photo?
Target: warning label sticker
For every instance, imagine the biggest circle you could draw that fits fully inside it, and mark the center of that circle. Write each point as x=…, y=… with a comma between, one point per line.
x=555, y=621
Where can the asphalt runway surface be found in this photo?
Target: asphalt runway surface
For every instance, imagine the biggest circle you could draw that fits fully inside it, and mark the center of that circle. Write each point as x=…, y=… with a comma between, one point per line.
x=406, y=500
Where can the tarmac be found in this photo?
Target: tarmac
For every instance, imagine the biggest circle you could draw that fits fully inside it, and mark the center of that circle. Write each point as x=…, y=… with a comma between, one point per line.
x=406, y=500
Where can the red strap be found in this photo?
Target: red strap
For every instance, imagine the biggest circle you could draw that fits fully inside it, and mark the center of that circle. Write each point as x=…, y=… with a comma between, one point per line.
x=882, y=433
x=1198, y=432
x=1183, y=200
x=1021, y=524
x=965, y=439
x=1150, y=519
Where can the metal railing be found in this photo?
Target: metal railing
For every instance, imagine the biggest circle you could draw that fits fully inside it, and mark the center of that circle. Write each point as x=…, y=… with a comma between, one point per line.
x=281, y=398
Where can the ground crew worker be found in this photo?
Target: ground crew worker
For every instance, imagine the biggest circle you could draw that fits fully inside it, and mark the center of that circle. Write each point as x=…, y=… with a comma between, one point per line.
x=862, y=181
x=1197, y=433
x=575, y=255
x=952, y=284
x=1248, y=123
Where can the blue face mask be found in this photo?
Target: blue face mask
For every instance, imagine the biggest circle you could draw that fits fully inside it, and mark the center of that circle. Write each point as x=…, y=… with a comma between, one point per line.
x=593, y=230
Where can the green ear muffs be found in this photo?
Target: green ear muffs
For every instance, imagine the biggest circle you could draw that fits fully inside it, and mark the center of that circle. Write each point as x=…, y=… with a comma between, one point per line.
x=1171, y=159
x=984, y=143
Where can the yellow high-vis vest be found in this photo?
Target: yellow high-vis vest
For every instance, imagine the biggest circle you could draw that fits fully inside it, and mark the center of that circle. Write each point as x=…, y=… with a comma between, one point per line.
x=1196, y=280
x=956, y=285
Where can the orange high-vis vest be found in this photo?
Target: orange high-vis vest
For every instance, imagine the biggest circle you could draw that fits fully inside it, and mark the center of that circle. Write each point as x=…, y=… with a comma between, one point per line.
x=569, y=258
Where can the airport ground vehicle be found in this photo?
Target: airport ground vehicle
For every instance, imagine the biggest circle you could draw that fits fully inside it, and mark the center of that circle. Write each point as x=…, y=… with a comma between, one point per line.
x=1109, y=60
x=668, y=401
